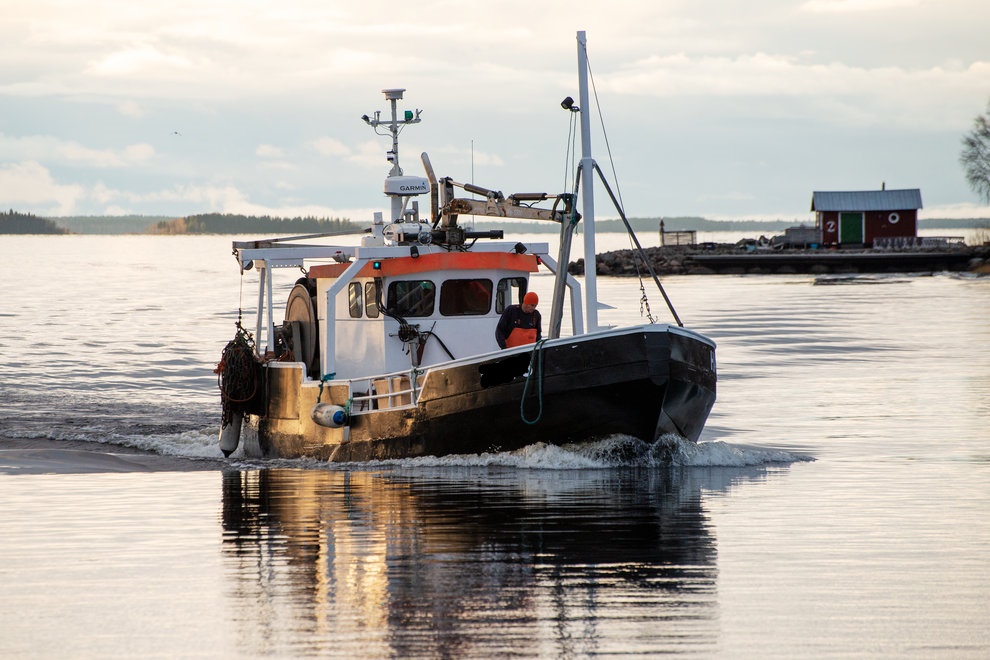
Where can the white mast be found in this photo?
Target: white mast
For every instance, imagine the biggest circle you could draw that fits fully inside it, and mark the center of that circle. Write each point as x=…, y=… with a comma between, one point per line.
x=587, y=187
x=393, y=95
x=397, y=186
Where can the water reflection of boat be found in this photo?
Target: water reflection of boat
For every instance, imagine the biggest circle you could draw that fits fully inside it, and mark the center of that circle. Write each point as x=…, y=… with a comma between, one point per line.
x=387, y=349
x=429, y=561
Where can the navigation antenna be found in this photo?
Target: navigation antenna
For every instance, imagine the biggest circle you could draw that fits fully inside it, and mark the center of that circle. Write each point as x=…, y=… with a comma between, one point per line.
x=397, y=186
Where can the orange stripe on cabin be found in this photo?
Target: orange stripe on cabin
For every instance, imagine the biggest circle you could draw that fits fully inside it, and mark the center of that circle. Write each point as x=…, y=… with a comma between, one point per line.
x=434, y=262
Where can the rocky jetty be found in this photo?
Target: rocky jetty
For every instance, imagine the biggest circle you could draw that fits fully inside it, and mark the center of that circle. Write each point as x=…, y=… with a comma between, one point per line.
x=728, y=259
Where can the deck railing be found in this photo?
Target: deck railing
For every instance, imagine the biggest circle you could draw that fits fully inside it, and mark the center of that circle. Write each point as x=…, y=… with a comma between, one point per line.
x=917, y=242
x=395, y=390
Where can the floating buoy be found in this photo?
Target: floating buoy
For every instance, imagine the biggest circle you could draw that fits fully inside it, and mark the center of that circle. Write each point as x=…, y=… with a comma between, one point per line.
x=230, y=435
x=329, y=415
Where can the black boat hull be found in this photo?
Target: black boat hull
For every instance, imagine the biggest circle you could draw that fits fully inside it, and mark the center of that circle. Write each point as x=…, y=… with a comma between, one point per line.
x=641, y=382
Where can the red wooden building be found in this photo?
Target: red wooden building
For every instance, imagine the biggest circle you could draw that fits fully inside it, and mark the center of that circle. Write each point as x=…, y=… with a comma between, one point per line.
x=858, y=218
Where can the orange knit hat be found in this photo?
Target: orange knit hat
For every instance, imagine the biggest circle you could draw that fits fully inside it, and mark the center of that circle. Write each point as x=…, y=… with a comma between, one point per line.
x=531, y=298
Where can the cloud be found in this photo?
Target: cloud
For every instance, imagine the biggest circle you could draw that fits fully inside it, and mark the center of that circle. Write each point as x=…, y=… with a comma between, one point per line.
x=371, y=154
x=834, y=91
x=961, y=210
x=479, y=157
x=279, y=165
x=49, y=149
x=115, y=210
x=269, y=151
x=230, y=199
x=766, y=74
x=44, y=195
x=31, y=184
x=844, y=6
x=145, y=60
x=328, y=146
x=267, y=100
x=130, y=109
x=102, y=194
x=73, y=152
x=222, y=198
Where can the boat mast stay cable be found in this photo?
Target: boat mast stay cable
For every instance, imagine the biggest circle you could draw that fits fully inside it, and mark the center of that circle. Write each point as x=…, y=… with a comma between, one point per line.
x=585, y=177
x=639, y=248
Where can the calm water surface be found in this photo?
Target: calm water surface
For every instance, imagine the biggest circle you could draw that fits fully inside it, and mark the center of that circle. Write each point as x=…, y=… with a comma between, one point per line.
x=837, y=506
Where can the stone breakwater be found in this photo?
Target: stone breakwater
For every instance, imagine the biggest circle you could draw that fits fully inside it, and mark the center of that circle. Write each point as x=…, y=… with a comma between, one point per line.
x=730, y=260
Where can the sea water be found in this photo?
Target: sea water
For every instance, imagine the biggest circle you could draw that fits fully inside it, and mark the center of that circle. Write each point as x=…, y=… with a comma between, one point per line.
x=836, y=506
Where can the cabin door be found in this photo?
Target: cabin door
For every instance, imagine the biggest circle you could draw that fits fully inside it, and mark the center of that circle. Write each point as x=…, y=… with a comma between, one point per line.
x=850, y=228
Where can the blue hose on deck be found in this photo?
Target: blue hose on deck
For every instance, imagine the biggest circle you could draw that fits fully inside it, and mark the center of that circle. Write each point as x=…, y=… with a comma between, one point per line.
x=535, y=368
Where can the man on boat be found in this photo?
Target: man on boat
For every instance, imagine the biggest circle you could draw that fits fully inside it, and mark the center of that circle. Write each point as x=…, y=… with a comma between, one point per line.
x=520, y=324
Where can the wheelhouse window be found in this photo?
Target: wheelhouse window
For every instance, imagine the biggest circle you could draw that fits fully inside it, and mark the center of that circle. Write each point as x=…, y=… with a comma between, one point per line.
x=510, y=290
x=354, y=301
x=412, y=297
x=371, y=300
x=471, y=297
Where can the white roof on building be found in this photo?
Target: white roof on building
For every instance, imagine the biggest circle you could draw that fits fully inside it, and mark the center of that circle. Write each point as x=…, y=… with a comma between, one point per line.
x=867, y=200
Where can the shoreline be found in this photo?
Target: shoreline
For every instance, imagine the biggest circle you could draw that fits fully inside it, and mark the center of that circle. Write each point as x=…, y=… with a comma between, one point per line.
x=727, y=259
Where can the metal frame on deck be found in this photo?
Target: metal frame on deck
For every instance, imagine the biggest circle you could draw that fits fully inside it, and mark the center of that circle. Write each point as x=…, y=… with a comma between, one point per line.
x=267, y=256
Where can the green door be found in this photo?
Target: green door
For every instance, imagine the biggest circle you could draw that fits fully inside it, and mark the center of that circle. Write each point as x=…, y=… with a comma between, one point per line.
x=850, y=228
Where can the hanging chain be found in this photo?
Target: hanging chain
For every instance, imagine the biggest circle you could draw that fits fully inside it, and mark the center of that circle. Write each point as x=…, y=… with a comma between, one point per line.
x=644, y=303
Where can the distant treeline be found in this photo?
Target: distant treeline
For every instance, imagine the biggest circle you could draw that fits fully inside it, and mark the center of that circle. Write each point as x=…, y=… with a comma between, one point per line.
x=13, y=222
x=704, y=224
x=109, y=224
x=648, y=225
x=957, y=223
x=227, y=223
x=688, y=223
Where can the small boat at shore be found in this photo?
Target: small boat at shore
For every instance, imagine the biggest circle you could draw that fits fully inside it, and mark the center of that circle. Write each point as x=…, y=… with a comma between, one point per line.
x=387, y=349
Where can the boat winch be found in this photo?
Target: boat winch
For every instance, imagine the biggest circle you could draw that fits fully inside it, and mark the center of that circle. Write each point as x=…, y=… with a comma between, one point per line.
x=408, y=232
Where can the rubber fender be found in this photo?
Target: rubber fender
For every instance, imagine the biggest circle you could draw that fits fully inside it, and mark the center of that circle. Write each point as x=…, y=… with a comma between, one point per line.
x=329, y=415
x=230, y=435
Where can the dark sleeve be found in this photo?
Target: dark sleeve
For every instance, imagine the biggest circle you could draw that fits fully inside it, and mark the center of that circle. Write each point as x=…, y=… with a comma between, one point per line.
x=504, y=326
x=539, y=325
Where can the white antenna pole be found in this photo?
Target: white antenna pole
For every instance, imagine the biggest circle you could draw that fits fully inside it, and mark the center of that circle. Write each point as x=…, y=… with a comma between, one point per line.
x=472, y=178
x=398, y=203
x=587, y=188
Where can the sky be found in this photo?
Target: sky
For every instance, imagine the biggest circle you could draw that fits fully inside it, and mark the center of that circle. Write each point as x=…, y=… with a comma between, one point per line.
x=715, y=108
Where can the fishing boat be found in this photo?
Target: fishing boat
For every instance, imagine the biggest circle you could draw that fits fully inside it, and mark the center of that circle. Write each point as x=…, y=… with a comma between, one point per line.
x=387, y=348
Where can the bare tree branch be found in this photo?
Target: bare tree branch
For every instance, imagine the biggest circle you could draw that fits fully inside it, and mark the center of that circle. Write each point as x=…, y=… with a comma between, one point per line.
x=975, y=156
